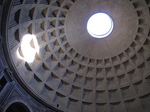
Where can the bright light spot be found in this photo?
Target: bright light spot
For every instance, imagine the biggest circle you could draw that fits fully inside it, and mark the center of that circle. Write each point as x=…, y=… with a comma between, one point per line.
x=100, y=25
x=29, y=47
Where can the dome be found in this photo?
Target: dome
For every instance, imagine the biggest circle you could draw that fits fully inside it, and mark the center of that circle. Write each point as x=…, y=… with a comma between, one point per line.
x=73, y=72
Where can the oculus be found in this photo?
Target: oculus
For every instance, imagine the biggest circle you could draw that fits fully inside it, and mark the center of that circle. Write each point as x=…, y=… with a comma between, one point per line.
x=100, y=25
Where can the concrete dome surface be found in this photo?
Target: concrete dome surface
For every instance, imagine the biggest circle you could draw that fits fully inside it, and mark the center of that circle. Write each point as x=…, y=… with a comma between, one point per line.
x=71, y=70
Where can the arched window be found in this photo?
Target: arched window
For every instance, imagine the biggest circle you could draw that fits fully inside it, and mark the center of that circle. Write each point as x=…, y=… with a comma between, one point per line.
x=17, y=107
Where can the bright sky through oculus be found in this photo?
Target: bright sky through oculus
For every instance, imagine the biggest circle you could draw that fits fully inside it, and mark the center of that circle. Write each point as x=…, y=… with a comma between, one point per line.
x=100, y=25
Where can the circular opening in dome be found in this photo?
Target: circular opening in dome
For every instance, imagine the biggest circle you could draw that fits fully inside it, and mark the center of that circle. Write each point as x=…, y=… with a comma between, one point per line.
x=100, y=25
